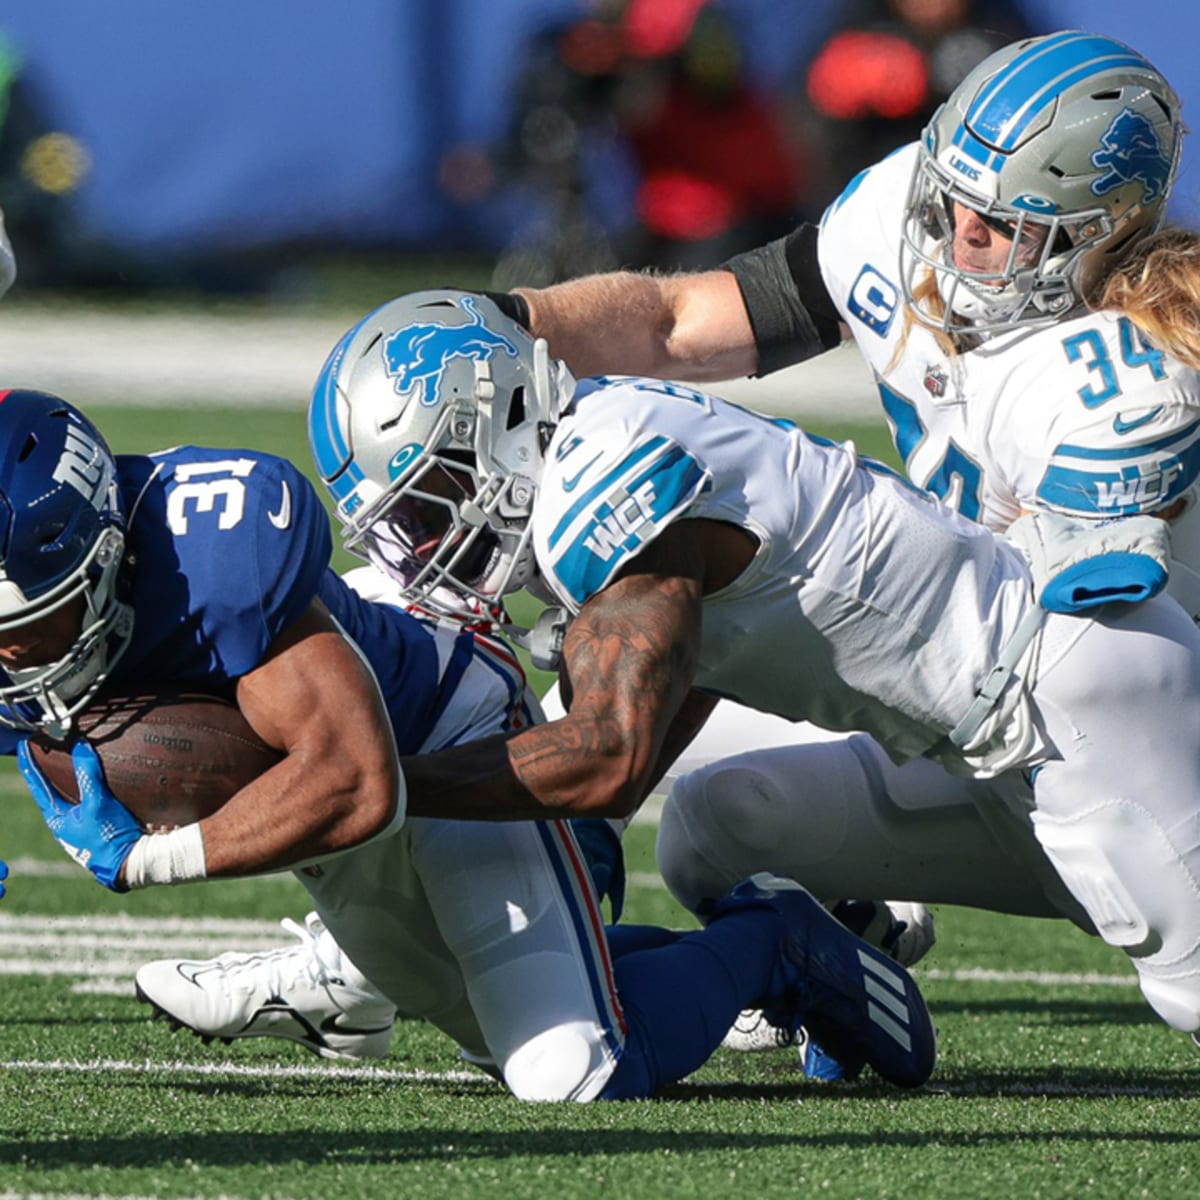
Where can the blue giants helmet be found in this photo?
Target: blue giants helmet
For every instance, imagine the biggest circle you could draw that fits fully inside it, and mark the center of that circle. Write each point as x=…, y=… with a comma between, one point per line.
x=1067, y=145
x=62, y=542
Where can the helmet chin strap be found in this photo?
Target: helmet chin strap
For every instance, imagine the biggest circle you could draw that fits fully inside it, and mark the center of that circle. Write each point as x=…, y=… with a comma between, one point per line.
x=544, y=640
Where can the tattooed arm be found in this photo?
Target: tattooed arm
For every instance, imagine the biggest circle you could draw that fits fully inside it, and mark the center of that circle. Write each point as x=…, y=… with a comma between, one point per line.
x=630, y=657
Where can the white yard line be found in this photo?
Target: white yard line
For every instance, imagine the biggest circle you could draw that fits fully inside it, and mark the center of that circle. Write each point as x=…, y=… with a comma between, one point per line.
x=1040, y=978
x=240, y=1070
x=108, y=1067
x=106, y=950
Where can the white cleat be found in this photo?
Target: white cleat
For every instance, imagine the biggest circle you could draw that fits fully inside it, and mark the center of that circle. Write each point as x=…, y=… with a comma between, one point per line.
x=300, y=993
x=754, y=1031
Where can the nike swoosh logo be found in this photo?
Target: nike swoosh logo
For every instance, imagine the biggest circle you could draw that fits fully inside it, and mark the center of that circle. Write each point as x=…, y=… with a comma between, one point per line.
x=1122, y=427
x=569, y=485
x=335, y=1024
x=283, y=518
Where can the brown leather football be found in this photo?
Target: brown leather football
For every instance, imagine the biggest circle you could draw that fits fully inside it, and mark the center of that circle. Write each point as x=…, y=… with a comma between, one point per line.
x=171, y=756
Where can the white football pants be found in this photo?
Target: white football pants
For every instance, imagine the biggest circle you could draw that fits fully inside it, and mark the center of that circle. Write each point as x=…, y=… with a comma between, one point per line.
x=1106, y=833
x=491, y=931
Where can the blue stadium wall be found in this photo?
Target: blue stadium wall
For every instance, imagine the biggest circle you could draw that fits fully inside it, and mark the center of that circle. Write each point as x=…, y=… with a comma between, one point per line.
x=226, y=123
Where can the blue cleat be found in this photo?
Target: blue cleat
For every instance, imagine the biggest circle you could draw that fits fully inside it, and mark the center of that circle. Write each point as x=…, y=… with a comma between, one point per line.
x=817, y=1063
x=857, y=1004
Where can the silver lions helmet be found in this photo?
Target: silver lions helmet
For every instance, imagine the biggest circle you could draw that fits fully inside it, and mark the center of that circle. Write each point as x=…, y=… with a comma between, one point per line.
x=1067, y=145
x=428, y=425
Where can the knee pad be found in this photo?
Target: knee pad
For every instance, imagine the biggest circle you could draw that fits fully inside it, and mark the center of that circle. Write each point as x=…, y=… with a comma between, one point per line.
x=1120, y=865
x=567, y=1062
x=753, y=812
x=1141, y=895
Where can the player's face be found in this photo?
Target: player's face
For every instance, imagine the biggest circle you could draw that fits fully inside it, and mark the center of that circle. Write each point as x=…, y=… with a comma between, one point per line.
x=983, y=245
x=421, y=519
x=42, y=641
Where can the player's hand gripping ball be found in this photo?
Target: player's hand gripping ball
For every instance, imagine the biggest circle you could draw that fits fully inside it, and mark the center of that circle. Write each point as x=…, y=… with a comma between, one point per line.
x=170, y=756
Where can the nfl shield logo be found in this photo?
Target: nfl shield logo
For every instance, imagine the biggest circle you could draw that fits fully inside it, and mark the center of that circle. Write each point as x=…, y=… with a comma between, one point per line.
x=936, y=380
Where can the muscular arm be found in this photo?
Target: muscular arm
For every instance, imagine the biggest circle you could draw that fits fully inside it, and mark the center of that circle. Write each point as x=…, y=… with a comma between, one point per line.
x=631, y=655
x=668, y=326
x=766, y=309
x=338, y=783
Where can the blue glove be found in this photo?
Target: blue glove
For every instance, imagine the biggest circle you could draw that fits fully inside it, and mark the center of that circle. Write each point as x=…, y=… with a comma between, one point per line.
x=3, y=876
x=605, y=858
x=99, y=831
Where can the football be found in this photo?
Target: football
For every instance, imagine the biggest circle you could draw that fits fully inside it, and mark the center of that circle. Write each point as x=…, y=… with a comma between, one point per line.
x=170, y=756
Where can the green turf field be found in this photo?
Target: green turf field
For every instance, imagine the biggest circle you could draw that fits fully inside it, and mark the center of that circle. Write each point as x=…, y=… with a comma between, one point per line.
x=1054, y=1080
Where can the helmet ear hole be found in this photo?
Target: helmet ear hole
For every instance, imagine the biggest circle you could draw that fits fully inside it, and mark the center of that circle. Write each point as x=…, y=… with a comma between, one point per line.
x=516, y=410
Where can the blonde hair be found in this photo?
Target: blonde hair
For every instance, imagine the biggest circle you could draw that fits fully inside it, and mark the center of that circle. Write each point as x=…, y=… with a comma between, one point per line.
x=926, y=293
x=1158, y=288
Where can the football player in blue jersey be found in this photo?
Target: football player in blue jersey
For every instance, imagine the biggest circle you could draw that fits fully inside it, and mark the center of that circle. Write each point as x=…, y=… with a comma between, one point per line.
x=8, y=273
x=211, y=568
x=702, y=551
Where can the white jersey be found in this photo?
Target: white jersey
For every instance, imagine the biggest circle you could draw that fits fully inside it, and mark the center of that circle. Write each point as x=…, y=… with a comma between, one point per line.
x=1082, y=417
x=868, y=605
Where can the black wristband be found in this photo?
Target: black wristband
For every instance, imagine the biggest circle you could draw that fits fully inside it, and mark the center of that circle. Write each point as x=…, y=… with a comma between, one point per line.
x=511, y=305
x=789, y=308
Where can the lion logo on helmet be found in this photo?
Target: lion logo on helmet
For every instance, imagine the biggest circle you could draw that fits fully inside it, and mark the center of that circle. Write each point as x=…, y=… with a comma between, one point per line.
x=1129, y=151
x=419, y=353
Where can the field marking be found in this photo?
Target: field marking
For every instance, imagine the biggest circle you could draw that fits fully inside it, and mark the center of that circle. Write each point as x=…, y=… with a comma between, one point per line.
x=242, y=1071
x=103, y=952
x=1041, y=978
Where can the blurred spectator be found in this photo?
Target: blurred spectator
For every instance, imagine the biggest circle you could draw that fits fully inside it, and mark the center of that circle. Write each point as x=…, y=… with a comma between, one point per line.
x=717, y=174
x=637, y=140
x=563, y=173
x=878, y=77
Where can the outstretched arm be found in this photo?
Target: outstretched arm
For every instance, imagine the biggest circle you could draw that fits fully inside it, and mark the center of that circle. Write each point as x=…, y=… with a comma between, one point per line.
x=763, y=310
x=691, y=327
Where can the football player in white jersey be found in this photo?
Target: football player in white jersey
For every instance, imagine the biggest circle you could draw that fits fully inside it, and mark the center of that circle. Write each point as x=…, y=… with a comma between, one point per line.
x=489, y=931
x=966, y=268
x=994, y=277
x=704, y=551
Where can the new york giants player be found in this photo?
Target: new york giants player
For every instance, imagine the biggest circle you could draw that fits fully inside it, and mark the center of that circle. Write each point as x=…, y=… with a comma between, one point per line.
x=8, y=273
x=210, y=568
x=704, y=551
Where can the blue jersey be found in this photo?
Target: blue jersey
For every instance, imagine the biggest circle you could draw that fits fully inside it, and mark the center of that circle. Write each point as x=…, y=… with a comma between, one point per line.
x=228, y=548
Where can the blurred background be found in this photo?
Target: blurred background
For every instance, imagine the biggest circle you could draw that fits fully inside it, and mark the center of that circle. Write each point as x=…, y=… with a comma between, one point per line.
x=280, y=166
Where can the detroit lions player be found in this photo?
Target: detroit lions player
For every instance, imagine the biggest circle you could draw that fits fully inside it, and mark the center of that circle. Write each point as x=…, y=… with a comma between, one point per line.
x=210, y=568
x=705, y=551
x=982, y=273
